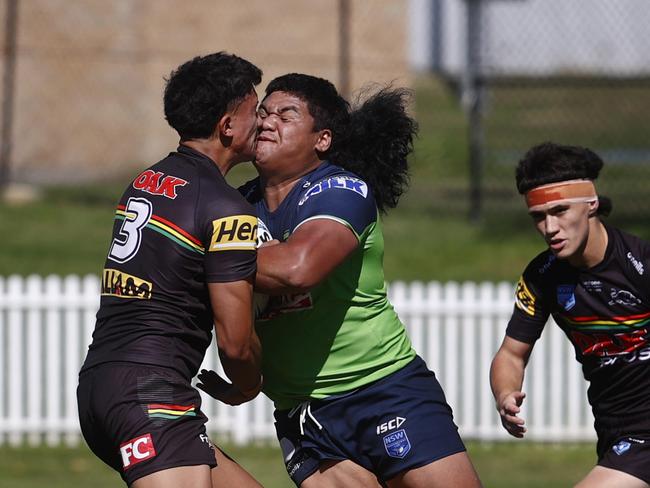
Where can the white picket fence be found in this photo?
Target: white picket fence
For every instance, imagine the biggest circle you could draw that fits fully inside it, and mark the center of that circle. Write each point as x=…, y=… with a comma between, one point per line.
x=46, y=325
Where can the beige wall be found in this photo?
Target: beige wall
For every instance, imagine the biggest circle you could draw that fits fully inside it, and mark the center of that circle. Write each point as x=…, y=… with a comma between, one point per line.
x=90, y=72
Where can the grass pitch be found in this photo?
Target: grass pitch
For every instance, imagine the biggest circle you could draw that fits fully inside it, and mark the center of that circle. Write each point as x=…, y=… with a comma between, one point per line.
x=500, y=465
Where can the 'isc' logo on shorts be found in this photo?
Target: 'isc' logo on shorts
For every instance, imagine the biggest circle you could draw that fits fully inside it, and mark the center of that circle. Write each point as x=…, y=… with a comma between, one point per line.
x=137, y=450
x=234, y=233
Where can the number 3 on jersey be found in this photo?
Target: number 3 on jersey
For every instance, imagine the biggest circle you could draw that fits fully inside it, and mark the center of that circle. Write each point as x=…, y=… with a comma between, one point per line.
x=136, y=215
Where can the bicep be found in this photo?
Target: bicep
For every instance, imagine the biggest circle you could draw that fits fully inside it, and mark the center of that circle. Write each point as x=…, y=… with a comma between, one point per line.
x=310, y=254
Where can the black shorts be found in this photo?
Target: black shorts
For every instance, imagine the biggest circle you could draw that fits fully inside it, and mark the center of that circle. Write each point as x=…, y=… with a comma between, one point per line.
x=400, y=422
x=140, y=419
x=629, y=454
x=624, y=444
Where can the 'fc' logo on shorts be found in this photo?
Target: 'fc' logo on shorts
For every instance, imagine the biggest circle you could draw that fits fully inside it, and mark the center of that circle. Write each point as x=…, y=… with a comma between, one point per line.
x=137, y=450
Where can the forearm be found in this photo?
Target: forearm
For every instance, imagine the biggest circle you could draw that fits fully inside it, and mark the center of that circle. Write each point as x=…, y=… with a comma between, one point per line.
x=243, y=365
x=506, y=375
x=281, y=270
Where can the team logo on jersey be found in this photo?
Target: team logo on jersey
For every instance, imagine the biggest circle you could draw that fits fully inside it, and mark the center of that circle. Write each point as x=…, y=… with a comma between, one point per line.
x=621, y=447
x=566, y=296
x=281, y=304
x=137, y=450
x=524, y=299
x=158, y=183
x=345, y=182
x=397, y=444
x=234, y=233
x=623, y=297
x=116, y=283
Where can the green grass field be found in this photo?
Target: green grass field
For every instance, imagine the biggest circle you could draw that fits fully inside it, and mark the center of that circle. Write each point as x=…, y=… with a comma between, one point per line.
x=428, y=237
x=501, y=465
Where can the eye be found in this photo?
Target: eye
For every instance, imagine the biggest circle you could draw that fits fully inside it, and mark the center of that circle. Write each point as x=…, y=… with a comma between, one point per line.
x=537, y=216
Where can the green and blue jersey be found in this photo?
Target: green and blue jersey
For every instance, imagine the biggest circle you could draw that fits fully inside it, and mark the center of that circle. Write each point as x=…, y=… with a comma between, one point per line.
x=344, y=333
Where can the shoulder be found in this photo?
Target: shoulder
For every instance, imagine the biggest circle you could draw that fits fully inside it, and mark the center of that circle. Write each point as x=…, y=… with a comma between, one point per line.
x=631, y=251
x=542, y=266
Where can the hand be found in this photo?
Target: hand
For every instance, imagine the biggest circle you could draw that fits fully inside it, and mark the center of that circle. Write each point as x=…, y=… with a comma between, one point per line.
x=218, y=388
x=509, y=408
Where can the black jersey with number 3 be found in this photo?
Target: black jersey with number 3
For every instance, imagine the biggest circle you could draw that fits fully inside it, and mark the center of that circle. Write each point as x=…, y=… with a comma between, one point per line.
x=178, y=226
x=605, y=313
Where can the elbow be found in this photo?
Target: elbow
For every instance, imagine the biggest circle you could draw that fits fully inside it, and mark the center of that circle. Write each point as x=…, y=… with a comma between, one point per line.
x=301, y=278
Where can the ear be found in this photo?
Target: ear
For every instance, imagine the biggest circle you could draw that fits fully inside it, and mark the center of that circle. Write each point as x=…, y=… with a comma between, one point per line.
x=324, y=140
x=224, y=126
x=593, y=208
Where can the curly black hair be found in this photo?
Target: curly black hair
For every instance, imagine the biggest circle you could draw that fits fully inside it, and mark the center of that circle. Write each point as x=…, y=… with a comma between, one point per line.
x=550, y=163
x=372, y=140
x=199, y=92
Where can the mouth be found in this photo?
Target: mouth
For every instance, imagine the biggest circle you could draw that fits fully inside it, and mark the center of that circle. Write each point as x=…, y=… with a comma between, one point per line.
x=556, y=245
x=265, y=138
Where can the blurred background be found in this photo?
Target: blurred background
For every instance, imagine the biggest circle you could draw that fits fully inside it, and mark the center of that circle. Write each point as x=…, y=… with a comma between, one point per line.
x=81, y=115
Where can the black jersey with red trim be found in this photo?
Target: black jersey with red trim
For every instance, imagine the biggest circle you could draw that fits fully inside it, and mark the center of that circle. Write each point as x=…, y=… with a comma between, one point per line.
x=605, y=313
x=178, y=226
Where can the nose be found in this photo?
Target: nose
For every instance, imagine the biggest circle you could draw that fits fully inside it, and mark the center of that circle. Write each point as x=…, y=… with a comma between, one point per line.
x=550, y=225
x=265, y=123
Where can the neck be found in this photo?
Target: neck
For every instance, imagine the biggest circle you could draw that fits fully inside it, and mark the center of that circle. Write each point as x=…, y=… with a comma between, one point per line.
x=215, y=151
x=595, y=247
x=277, y=185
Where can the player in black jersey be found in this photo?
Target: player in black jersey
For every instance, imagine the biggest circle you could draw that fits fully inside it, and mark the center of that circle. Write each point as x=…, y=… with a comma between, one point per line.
x=594, y=280
x=182, y=258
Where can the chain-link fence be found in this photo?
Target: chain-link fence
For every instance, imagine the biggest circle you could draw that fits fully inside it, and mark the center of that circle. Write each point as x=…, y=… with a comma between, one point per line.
x=535, y=70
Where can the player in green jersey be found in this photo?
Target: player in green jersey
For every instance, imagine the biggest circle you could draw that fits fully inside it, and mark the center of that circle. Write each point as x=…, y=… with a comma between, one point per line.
x=355, y=405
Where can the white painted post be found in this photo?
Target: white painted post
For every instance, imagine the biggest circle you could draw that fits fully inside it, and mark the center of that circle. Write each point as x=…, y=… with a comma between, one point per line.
x=450, y=378
x=15, y=355
x=466, y=362
x=52, y=359
x=34, y=363
x=434, y=293
x=72, y=296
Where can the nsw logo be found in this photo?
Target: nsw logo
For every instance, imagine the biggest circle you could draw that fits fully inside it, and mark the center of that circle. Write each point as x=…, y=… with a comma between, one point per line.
x=621, y=447
x=397, y=444
x=566, y=296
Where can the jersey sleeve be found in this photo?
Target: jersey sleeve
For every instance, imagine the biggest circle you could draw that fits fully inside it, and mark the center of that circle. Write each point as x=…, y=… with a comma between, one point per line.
x=229, y=226
x=529, y=315
x=344, y=199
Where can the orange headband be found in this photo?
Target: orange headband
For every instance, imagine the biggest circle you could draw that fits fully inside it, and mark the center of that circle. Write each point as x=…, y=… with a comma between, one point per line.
x=572, y=191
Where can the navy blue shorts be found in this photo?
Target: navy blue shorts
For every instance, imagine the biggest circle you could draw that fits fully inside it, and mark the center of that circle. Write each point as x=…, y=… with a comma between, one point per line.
x=140, y=419
x=396, y=424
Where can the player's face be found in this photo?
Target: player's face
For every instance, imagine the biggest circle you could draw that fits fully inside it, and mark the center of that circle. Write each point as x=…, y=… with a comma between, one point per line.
x=243, y=122
x=286, y=139
x=565, y=228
